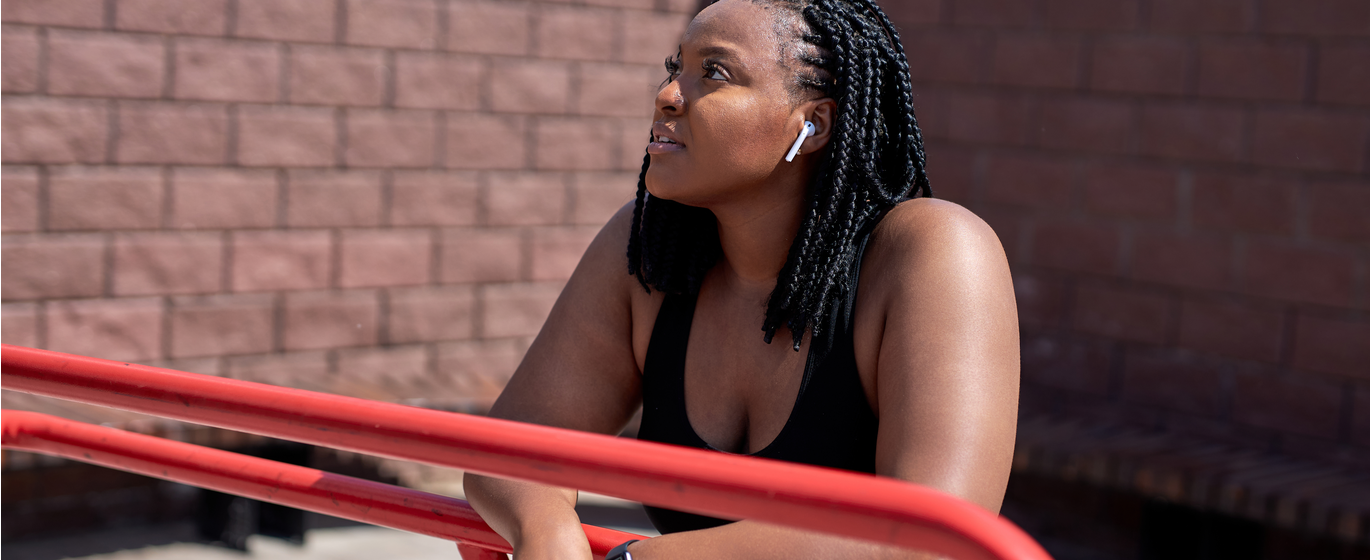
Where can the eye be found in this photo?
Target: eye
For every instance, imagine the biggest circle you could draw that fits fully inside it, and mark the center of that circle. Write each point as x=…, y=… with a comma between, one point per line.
x=712, y=71
x=672, y=66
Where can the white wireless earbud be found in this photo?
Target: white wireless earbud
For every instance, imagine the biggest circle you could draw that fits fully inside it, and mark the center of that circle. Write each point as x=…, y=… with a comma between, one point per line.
x=807, y=132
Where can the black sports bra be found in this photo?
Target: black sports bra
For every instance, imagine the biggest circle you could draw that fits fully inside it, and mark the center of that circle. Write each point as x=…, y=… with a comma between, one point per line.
x=830, y=425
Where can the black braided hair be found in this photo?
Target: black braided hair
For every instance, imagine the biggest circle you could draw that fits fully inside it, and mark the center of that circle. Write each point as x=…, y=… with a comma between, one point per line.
x=847, y=50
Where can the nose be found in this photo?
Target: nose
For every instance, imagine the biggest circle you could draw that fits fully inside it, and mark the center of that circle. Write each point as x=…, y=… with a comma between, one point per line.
x=669, y=100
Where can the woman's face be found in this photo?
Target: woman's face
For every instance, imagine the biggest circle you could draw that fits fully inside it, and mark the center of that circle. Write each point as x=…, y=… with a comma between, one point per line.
x=727, y=115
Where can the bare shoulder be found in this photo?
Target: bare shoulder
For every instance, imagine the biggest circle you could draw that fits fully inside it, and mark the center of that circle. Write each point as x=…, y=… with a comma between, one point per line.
x=929, y=234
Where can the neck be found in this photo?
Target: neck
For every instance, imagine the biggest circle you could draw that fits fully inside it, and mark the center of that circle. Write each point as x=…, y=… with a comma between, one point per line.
x=756, y=235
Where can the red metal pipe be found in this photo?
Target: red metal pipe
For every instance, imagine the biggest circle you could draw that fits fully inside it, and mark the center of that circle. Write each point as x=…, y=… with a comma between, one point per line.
x=837, y=502
x=270, y=481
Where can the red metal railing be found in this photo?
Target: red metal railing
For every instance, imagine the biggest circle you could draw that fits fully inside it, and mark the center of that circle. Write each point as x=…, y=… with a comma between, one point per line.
x=837, y=502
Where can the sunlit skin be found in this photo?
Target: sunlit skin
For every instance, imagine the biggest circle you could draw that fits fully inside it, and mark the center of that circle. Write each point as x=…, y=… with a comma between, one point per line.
x=935, y=321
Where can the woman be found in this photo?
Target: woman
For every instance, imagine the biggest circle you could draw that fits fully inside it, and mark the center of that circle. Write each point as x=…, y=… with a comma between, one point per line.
x=900, y=352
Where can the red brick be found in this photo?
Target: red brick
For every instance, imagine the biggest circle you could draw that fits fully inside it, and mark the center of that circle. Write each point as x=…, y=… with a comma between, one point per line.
x=1202, y=16
x=54, y=266
x=406, y=24
x=1114, y=15
x=289, y=20
x=397, y=368
x=1131, y=191
x=206, y=17
x=431, y=314
x=112, y=329
x=218, y=70
x=1291, y=272
x=104, y=198
x=1191, y=132
x=20, y=59
x=617, y=90
x=62, y=13
x=517, y=309
x=1172, y=382
x=54, y=131
x=1360, y=426
x=489, y=27
x=105, y=64
x=1338, y=211
x=557, y=251
x=1041, y=299
x=650, y=37
x=988, y=118
x=1122, y=313
x=998, y=13
x=438, y=81
x=221, y=325
x=915, y=12
x=1328, y=17
x=1247, y=203
x=577, y=33
x=1307, y=407
x=1154, y=65
x=1029, y=181
x=583, y=144
x=20, y=204
x=1314, y=140
x=176, y=134
x=167, y=263
x=385, y=258
x=526, y=199
x=1094, y=125
x=530, y=86
x=955, y=174
x=1036, y=61
x=953, y=56
x=223, y=198
x=481, y=255
x=427, y=198
x=293, y=369
x=319, y=320
x=1237, y=330
x=336, y=76
x=286, y=136
x=389, y=138
x=484, y=141
x=1182, y=260
x=280, y=260
x=1066, y=364
x=1252, y=70
x=20, y=321
x=633, y=137
x=479, y=369
x=1332, y=345
x=1343, y=76
x=333, y=198
x=597, y=196
x=1079, y=247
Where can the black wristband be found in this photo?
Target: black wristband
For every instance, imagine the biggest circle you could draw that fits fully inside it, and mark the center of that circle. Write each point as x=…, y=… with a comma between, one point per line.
x=620, y=552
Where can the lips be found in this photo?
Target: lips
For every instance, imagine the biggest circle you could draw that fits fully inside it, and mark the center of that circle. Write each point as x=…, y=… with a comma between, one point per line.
x=664, y=140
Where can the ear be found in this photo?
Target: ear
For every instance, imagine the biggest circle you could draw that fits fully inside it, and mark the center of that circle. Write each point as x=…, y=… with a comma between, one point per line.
x=823, y=114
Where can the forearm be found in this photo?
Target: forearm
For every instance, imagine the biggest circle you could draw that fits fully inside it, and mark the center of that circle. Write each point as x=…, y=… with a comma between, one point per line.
x=539, y=521
x=757, y=541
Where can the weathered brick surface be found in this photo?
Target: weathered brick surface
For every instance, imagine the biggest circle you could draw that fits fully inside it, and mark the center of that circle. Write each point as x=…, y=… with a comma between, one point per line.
x=288, y=369
x=429, y=198
x=167, y=263
x=575, y=144
x=529, y=86
x=219, y=70
x=1336, y=211
x=480, y=368
x=1202, y=16
x=113, y=329
x=1196, y=261
x=19, y=323
x=62, y=13
x=207, y=198
x=336, y=76
x=597, y=196
x=402, y=368
x=1252, y=70
x=517, y=309
x=1235, y=329
x=19, y=52
x=207, y=17
x=438, y=81
x=1305, y=407
x=1154, y=65
x=1342, y=78
x=221, y=325
x=1036, y=61
x=1132, y=192
x=1249, y=203
x=481, y=255
x=489, y=27
x=409, y=24
x=288, y=20
x=54, y=131
x=1075, y=366
x=318, y=320
x=20, y=199
x=618, y=90
x=1123, y=313
x=1077, y=247
x=1167, y=381
x=1290, y=272
x=1312, y=140
x=105, y=64
x=1333, y=345
x=53, y=267
x=526, y=198
x=281, y=260
x=385, y=258
x=173, y=134
x=102, y=198
x=286, y=136
x=556, y=251
x=431, y=314
x=389, y=138
x=485, y=141
x=577, y=33
x=333, y=198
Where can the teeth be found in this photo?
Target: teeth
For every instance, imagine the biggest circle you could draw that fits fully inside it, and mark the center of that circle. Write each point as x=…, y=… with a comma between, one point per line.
x=665, y=140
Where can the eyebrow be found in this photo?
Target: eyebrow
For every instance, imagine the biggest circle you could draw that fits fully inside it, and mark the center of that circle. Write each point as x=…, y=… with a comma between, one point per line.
x=721, y=52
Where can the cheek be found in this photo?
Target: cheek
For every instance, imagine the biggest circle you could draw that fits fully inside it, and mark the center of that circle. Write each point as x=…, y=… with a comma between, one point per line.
x=744, y=139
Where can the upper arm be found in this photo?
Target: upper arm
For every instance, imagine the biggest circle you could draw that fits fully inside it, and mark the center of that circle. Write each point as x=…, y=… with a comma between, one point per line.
x=580, y=371
x=947, y=367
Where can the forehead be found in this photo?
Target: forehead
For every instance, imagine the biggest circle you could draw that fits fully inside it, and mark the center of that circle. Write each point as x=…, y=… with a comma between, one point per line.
x=743, y=26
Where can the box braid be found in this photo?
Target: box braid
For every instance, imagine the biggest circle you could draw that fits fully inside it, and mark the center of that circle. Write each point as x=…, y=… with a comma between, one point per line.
x=848, y=51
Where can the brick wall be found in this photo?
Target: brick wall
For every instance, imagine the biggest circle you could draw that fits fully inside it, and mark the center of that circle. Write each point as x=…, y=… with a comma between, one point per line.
x=1183, y=189
x=376, y=197
x=308, y=190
